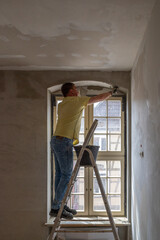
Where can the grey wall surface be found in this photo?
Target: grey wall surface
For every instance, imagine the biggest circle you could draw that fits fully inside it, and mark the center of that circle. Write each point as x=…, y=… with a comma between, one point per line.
x=146, y=134
x=23, y=146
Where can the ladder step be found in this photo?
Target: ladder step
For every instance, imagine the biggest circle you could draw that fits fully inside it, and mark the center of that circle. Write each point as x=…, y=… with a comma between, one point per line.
x=84, y=231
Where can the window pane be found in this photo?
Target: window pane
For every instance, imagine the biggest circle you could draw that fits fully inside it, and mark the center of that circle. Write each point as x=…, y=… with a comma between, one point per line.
x=81, y=170
x=100, y=140
x=114, y=125
x=114, y=142
x=102, y=125
x=115, y=202
x=96, y=186
x=114, y=185
x=81, y=139
x=82, y=126
x=99, y=109
x=114, y=108
x=78, y=186
x=77, y=202
x=114, y=168
x=98, y=204
x=101, y=165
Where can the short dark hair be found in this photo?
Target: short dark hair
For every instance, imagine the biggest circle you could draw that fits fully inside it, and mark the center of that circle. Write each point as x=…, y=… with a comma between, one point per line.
x=66, y=87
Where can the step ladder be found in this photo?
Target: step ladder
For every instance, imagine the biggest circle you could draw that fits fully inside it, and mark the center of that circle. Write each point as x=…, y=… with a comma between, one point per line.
x=56, y=226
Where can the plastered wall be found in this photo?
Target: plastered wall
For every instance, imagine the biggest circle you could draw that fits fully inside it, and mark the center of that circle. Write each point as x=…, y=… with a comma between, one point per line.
x=23, y=146
x=146, y=134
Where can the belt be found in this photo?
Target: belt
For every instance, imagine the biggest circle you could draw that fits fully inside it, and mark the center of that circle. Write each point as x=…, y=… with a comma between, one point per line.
x=59, y=137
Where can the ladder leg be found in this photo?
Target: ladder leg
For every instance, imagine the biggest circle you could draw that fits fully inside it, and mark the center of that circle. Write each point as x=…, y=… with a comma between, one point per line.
x=106, y=203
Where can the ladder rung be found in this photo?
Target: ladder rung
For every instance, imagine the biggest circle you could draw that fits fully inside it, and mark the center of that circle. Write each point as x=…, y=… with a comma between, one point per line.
x=84, y=231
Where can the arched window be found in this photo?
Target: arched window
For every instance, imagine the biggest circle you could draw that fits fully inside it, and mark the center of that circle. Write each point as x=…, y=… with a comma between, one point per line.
x=110, y=136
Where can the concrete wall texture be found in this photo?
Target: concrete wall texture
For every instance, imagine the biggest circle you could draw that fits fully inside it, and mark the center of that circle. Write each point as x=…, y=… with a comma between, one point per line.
x=23, y=146
x=146, y=133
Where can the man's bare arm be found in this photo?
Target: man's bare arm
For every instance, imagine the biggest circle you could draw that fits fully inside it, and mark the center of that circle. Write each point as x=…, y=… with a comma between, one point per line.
x=99, y=98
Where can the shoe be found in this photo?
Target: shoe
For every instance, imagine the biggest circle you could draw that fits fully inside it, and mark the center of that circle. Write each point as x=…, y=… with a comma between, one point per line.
x=53, y=212
x=65, y=214
x=70, y=210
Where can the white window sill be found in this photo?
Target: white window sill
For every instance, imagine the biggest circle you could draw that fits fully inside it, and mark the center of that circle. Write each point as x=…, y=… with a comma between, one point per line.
x=90, y=222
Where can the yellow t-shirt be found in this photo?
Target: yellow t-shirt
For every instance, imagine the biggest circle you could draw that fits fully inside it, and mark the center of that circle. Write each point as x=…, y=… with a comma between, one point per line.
x=69, y=117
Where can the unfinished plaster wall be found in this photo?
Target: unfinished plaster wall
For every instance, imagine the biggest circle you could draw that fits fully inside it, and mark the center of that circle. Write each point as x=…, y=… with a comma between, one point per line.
x=146, y=134
x=23, y=146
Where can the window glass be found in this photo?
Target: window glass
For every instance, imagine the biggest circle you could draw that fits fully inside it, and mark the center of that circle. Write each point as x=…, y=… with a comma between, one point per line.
x=114, y=125
x=101, y=165
x=115, y=202
x=100, y=109
x=101, y=141
x=102, y=126
x=114, y=185
x=98, y=204
x=96, y=188
x=79, y=186
x=114, y=168
x=77, y=202
x=81, y=139
x=114, y=108
x=114, y=143
x=107, y=134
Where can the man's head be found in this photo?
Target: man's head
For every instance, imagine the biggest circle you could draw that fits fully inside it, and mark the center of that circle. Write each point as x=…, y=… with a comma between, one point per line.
x=69, y=89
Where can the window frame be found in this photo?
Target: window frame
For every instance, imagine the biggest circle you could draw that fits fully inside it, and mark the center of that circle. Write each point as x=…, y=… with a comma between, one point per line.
x=88, y=172
x=110, y=155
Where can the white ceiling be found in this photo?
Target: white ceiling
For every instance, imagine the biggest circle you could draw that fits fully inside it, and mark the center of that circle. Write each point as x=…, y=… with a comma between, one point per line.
x=71, y=34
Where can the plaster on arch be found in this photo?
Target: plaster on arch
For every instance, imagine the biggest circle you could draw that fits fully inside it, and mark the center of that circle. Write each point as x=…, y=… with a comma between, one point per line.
x=86, y=83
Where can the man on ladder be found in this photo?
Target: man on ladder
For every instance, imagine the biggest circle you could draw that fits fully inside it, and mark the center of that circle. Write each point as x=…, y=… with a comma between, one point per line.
x=65, y=136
